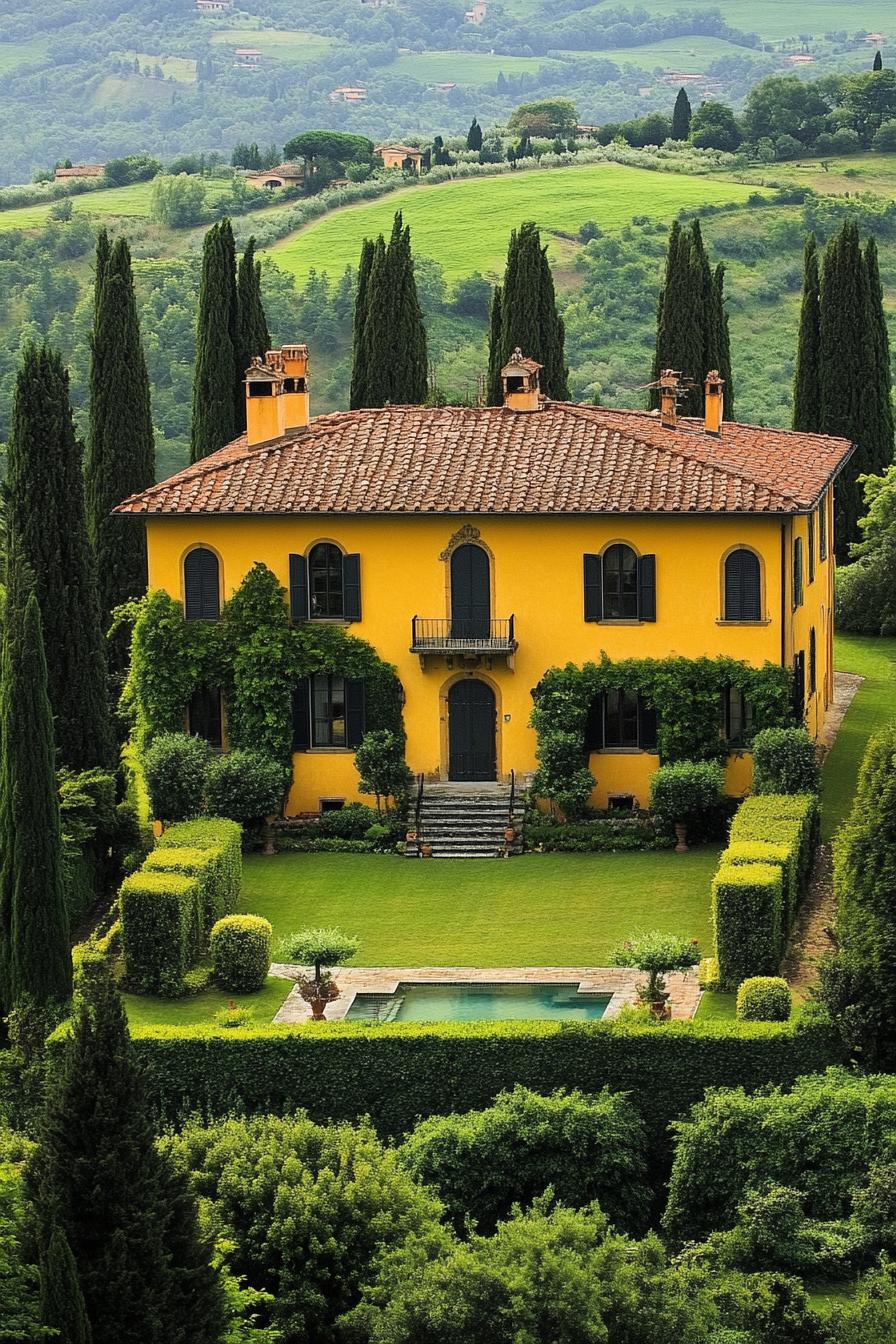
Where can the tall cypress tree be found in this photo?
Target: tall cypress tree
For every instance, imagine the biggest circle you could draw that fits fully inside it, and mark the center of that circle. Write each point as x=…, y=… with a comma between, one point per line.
x=410, y=371
x=722, y=353
x=681, y=117
x=46, y=519
x=692, y=325
x=878, y=61
x=128, y=1214
x=494, y=390
x=876, y=434
x=474, y=135
x=213, y=422
x=358, y=394
x=253, y=337
x=529, y=317
x=35, y=961
x=228, y=272
x=120, y=457
x=376, y=350
x=807, y=378
x=61, y=1300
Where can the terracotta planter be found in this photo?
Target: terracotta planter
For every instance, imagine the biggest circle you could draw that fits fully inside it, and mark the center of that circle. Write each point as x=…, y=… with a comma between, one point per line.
x=510, y=835
x=411, y=836
x=661, y=1009
x=426, y=851
x=681, y=837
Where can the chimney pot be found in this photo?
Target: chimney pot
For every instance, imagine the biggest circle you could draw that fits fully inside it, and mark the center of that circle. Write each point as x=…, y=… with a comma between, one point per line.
x=669, y=383
x=714, y=389
x=520, y=381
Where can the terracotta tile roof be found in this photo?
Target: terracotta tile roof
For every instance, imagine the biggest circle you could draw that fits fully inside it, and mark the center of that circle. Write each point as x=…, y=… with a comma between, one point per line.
x=564, y=458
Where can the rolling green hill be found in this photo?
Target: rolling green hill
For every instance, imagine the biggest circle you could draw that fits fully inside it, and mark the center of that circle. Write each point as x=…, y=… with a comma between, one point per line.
x=465, y=224
x=775, y=20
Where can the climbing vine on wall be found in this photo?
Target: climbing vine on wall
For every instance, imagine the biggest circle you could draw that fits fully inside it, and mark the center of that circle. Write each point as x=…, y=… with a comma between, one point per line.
x=255, y=655
x=687, y=694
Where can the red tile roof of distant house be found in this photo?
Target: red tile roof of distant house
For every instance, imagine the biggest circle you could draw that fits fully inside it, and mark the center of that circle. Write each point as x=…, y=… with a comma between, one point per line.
x=561, y=459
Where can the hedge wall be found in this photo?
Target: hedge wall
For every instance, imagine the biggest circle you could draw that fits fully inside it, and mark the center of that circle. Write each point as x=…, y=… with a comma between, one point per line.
x=226, y=839
x=772, y=816
x=400, y=1072
x=161, y=927
x=747, y=915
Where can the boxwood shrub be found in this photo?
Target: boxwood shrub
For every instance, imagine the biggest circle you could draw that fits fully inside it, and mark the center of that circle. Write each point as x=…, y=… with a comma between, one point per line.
x=786, y=856
x=202, y=864
x=747, y=912
x=764, y=998
x=224, y=839
x=240, y=947
x=161, y=930
x=778, y=817
x=785, y=760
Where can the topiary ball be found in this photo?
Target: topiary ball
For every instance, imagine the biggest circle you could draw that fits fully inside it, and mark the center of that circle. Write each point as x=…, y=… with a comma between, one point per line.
x=240, y=947
x=764, y=998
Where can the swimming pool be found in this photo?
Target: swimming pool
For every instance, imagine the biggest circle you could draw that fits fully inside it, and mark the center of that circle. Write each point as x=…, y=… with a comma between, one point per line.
x=468, y=1002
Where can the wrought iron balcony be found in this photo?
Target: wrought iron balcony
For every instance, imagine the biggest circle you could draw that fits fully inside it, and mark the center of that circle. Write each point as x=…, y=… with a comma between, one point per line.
x=467, y=638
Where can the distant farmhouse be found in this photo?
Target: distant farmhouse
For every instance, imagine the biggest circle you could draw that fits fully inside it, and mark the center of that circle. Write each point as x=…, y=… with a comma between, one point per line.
x=80, y=170
x=347, y=94
x=275, y=179
x=476, y=13
x=213, y=6
x=400, y=156
x=247, y=58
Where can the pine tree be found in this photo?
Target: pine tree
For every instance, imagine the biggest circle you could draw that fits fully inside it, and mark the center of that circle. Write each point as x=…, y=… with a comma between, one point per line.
x=494, y=390
x=120, y=457
x=129, y=1215
x=358, y=395
x=474, y=136
x=213, y=422
x=681, y=117
x=807, y=379
x=878, y=61
x=35, y=961
x=529, y=317
x=46, y=519
x=253, y=337
x=61, y=1300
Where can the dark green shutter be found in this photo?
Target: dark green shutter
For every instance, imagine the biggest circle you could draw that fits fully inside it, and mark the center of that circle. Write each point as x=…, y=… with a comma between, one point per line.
x=298, y=588
x=647, y=725
x=351, y=587
x=743, y=588
x=354, y=712
x=202, y=595
x=647, y=588
x=594, y=724
x=594, y=605
x=301, y=715
x=811, y=545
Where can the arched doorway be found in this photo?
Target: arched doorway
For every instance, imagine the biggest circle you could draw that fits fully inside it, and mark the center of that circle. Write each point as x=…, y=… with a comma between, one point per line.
x=471, y=601
x=472, y=725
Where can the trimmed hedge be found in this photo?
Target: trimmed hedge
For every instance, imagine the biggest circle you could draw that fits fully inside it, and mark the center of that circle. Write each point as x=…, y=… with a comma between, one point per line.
x=396, y=1073
x=240, y=947
x=209, y=867
x=764, y=998
x=771, y=817
x=747, y=913
x=161, y=928
x=784, y=856
x=225, y=837
x=785, y=761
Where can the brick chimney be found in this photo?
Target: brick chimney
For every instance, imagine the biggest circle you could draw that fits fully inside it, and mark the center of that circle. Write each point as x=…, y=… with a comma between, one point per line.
x=277, y=399
x=520, y=381
x=714, y=388
x=669, y=382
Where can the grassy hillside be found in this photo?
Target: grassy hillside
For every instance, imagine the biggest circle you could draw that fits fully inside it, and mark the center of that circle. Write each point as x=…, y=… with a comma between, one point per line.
x=294, y=45
x=110, y=204
x=465, y=225
x=775, y=20
x=471, y=68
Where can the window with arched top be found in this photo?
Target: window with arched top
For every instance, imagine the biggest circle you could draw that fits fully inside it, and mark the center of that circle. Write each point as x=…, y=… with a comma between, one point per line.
x=620, y=583
x=325, y=586
x=202, y=585
x=743, y=586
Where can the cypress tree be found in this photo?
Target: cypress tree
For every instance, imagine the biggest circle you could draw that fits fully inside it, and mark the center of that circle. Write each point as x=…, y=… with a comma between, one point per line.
x=253, y=337
x=120, y=457
x=474, y=135
x=35, y=961
x=390, y=337
x=681, y=117
x=682, y=317
x=213, y=422
x=61, y=1300
x=722, y=339
x=128, y=1214
x=46, y=519
x=376, y=352
x=876, y=434
x=358, y=395
x=878, y=61
x=529, y=317
x=409, y=371
x=228, y=273
x=494, y=390
x=807, y=379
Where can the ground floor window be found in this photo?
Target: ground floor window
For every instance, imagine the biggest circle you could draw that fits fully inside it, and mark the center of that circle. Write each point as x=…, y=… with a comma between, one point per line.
x=622, y=719
x=738, y=717
x=204, y=716
x=328, y=710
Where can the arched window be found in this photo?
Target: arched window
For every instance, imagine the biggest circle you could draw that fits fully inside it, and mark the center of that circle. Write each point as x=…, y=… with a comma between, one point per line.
x=620, y=580
x=202, y=587
x=325, y=581
x=743, y=587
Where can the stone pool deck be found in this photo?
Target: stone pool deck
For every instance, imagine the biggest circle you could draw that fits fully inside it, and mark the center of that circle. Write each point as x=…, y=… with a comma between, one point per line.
x=620, y=983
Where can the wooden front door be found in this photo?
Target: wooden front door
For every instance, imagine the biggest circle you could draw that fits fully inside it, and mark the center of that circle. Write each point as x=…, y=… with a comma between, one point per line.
x=470, y=594
x=472, y=723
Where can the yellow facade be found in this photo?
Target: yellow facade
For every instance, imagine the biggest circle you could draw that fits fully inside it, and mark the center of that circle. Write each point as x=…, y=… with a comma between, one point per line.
x=535, y=566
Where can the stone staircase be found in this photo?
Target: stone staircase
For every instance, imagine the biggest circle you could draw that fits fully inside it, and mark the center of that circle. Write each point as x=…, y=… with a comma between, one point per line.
x=467, y=821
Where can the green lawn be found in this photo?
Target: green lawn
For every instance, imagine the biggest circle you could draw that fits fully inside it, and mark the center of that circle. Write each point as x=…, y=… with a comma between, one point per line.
x=440, y=216
x=775, y=20
x=695, y=54
x=875, y=703
x=13, y=54
x=148, y=1012
x=108, y=203
x=283, y=44
x=537, y=910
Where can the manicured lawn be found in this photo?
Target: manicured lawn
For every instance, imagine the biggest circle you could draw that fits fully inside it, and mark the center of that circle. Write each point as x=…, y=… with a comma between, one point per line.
x=715, y=1007
x=537, y=910
x=148, y=1012
x=439, y=216
x=874, y=705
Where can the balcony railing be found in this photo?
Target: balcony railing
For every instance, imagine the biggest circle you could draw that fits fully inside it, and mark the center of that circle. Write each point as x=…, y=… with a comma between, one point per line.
x=472, y=637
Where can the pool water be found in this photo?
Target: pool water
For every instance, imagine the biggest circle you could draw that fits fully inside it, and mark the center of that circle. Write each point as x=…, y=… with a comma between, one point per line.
x=478, y=1003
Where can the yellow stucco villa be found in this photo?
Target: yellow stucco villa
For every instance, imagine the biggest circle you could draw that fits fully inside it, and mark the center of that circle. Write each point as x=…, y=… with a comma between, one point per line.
x=476, y=548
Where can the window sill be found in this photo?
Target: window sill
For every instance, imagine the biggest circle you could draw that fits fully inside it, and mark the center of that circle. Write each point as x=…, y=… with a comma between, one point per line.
x=721, y=621
x=622, y=751
x=328, y=620
x=325, y=751
x=621, y=620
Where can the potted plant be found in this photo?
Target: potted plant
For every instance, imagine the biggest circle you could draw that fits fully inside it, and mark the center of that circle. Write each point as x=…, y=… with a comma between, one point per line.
x=657, y=954
x=685, y=795
x=317, y=948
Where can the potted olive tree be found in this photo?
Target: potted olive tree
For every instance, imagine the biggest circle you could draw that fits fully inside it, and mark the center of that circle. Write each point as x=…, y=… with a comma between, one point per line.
x=657, y=954
x=318, y=948
x=683, y=796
